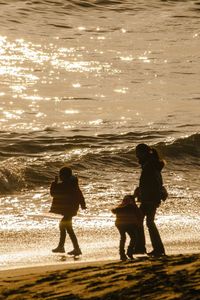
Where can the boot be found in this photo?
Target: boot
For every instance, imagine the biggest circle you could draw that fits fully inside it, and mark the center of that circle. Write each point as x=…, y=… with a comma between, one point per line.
x=156, y=253
x=123, y=257
x=122, y=254
x=59, y=249
x=130, y=253
x=75, y=252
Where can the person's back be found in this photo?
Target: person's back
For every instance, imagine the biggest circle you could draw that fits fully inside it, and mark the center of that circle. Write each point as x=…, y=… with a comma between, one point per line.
x=67, y=196
x=129, y=214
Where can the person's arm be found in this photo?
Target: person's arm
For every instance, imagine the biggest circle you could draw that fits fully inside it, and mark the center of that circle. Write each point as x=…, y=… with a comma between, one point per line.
x=137, y=194
x=53, y=188
x=113, y=211
x=79, y=192
x=81, y=199
x=118, y=209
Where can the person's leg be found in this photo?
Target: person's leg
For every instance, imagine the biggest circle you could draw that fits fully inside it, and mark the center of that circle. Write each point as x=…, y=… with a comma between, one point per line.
x=122, y=242
x=70, y=231
x=132, y=232
x=158, y=247
x=140, y=245
x=61, y=244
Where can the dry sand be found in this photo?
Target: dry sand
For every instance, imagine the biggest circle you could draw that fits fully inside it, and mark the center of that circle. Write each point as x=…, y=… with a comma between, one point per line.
x=170, y=277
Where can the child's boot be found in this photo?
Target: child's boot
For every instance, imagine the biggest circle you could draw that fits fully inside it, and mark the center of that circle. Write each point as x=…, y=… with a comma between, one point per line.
x=130, y=253
x=59, y=249
x=75, y=252
x=123, y=256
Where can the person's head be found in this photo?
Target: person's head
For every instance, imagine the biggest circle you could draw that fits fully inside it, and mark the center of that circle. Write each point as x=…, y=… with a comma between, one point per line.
x=128, y=199
x=65, y=173
x=143, y=151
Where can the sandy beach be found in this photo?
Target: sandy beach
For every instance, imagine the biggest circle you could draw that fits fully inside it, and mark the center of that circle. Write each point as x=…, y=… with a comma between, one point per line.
x=170, y=277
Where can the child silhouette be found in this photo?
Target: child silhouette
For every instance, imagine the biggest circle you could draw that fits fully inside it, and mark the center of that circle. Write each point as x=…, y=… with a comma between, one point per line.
x=128, y=219
x=67, y=197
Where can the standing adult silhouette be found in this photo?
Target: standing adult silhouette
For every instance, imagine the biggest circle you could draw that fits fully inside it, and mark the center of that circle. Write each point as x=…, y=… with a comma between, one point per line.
x=149, y=194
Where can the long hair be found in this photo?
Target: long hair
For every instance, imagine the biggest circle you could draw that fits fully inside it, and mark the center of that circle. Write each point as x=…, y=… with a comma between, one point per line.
x=149, y=152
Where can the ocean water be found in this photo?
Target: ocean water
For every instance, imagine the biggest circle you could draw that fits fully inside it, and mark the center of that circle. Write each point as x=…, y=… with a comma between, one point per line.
x=81, y=84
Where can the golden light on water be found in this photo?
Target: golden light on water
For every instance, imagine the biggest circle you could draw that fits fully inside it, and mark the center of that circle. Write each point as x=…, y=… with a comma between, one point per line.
x=10, y=115
x=144, y=59
x=33, y=97
x=126, y=58
x=71, y=111
x=79, y=66
x=33, y=72
x=40, y=115
x=121, y=91
x=81, y=28
x=196, y=35
x=37, y=196
x=96, y=122
x=76, y=85
x=18, y=88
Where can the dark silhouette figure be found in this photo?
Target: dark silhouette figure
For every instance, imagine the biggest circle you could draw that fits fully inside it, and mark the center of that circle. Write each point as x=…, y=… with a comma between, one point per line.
x=67, y=197
x=149, y=193
x=128, y=219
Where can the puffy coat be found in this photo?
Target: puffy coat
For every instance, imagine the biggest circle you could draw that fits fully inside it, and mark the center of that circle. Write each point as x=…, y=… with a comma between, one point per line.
x=128, y=215
x=67, y=197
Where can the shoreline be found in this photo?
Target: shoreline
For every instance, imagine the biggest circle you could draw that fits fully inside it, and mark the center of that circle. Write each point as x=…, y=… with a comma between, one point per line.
x=170, y=277
x=64, y=259
x=53, y=267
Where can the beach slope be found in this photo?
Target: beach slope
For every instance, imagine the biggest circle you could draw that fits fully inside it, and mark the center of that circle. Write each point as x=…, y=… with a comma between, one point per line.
x=170, y=277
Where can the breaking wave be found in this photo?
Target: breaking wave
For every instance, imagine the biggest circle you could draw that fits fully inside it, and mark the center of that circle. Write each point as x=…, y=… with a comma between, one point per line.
x=32, y=160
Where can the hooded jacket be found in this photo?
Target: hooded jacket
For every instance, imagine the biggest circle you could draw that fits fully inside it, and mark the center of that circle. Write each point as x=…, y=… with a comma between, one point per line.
x=129, y=214
x=67, y=197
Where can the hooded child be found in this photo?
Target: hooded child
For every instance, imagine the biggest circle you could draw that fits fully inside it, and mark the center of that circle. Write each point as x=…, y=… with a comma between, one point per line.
x=67, y=197
x=129, y=219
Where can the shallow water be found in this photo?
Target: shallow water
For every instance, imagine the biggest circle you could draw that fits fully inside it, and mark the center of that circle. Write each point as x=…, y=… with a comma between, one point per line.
x=82, y=83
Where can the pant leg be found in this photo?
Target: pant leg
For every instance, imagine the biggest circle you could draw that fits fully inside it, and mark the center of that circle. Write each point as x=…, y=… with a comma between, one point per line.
x=122, y=240
x=140, y=246
x=153, y=231
x=70, y=231
x=62, y=227
x=133, y=234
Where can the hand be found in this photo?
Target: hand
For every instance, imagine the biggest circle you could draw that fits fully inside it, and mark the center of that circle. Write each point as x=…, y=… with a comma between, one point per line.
x=136, y=193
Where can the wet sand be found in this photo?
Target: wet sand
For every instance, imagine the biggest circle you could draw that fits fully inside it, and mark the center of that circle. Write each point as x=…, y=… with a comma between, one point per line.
x=170, y=277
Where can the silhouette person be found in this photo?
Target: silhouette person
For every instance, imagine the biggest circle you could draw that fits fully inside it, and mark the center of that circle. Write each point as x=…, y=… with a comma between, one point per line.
x=128, y=219
x=149, y=194
x=67, y=197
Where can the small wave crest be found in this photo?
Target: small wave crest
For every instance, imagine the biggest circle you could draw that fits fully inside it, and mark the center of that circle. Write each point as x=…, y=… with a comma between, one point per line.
x=35, y=144
x=68, y=7
x=123, y=155
x=186, y=146
x=11, y=176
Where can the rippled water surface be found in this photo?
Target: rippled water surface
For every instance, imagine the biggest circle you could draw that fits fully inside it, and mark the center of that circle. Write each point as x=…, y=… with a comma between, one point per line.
x=81, y=83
